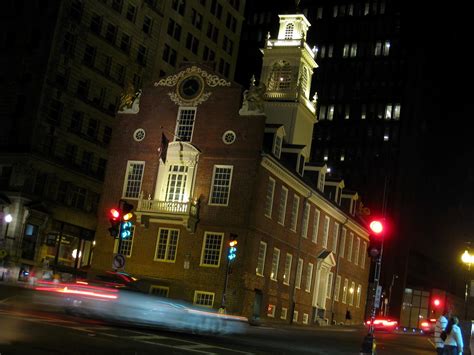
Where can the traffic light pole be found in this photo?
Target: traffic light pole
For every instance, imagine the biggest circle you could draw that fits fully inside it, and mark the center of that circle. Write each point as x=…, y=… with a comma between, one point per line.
x=226, y=281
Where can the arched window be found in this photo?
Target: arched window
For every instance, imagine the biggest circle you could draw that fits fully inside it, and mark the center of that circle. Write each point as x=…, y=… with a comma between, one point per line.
x=280, y=78
x=289, y=31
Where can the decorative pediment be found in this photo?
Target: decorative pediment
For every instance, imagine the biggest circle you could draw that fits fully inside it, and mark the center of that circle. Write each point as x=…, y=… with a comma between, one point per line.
x=327, y=258
x=187, y=75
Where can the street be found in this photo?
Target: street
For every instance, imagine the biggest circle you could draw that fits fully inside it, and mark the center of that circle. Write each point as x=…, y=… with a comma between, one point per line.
x=26, y=329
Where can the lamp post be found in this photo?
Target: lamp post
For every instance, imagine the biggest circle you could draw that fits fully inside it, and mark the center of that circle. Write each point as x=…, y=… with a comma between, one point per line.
x=467, y=259
x=8, y=219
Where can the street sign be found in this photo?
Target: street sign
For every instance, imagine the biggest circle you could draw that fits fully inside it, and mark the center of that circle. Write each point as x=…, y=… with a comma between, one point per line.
x=119, y=261
x=378, y=294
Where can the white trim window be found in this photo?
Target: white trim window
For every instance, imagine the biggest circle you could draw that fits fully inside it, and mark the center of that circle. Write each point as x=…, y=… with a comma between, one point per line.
x=295, y=316
x=305, y=318
x=314, y=236
x=335, y=234
x=133, y=179
x=221, y=184
x=358, y=295
x=337, y=288
x=309, y=277
x=126, y=246
x=351, y=293
x=185, y=124
x=325, y=232
x=166, y=245
x=284, y=312
x=282, y=205
x=275, y=264
x=329, y=288
x=262, y=252
x=277, y=146
x=203, y=298
x=357, y=252
x=269, y=197
x=364, y=253
x=349, y=247
x=294, y=212
x=176, y=184
x=344, y=291
x=304, y=228
x=299, y=272
x=211, y=249
x=353, y=50
x=342, y=249
x=287, y=273
x=271, y=310
x=345, y=50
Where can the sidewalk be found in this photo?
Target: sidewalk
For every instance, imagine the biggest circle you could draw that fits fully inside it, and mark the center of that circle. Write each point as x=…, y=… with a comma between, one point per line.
x=285, y=325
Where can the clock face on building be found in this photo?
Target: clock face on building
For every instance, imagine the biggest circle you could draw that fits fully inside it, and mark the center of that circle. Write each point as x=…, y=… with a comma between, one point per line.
x=190, y=87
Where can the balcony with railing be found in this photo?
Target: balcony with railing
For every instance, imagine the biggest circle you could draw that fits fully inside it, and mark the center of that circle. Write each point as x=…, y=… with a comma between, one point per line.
x=171, y=212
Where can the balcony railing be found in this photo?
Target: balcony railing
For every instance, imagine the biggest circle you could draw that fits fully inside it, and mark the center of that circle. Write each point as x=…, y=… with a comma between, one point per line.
x=186, y=213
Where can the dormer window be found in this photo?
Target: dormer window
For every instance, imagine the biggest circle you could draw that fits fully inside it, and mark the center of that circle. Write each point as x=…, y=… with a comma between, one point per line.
x=289, y=31
x=277, y=146
x=322, y=177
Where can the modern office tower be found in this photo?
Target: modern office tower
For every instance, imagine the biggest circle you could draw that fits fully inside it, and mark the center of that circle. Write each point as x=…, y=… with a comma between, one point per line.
x=64, y=76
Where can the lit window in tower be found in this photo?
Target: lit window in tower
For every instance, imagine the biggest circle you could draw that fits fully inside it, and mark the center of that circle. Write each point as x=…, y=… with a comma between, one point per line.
x=386, y=48
x=289, y=31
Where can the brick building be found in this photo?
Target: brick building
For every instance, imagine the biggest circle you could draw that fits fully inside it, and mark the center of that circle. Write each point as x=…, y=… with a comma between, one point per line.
x=237, y=168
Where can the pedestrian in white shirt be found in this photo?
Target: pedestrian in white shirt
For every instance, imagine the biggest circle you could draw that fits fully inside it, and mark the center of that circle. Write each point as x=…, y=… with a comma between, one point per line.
x=453, y=345
x=441, y=324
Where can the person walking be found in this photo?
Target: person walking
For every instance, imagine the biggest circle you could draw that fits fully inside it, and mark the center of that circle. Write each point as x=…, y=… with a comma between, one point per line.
x=441, y=324
x=453, y=345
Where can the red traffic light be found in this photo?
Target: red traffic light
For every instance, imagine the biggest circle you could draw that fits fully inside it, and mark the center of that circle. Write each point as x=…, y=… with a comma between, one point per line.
x=114, y=214
x=376, y=227
x=436, y=302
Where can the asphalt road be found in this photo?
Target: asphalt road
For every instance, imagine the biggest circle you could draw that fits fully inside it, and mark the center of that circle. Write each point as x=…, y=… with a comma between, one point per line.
x=28, y=329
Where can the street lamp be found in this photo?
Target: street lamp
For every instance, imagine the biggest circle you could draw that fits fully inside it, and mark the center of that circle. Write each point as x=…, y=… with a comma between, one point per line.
x=8, y=219
x=467, y=259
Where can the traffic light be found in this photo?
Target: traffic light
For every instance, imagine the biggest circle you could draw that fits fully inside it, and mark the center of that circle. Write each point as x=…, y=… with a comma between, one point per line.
x=436, y=302
x=126, y=230
x=127, y=211
x=115, y=220
x=232, y=247
x=375, y=244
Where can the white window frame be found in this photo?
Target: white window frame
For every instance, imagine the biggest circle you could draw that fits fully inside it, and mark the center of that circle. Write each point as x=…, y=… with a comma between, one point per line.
x=197, y=293
x=287, y=271
x=277, y=146
x=262, y=254
x=304, y=228
x=294, y=212
x=275, y=264
x=353, y=50
x=305, y=318
x=127, y=244
x=329, y=287
x=345, y=50
x=125, y=191
x=358, y=295
x=309, y=277
x=344, y=291
x=282, y=205
x=325, y=231
x=166, y=259
x=349, y=247
x=295, y=316
x=314, y=236
x=203, y=251
x=351, y=294
x=271, y=310
x=337, y=288
x=335, y=234
x=180, y=128
x=269, y=197
x=299, y=273
x=342, y=249
x=357, y=251
x=364, y=254
x=284, y=313
x=224, y=188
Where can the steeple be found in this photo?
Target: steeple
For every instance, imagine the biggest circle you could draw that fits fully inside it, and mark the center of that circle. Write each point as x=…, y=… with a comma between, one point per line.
x=288, y=64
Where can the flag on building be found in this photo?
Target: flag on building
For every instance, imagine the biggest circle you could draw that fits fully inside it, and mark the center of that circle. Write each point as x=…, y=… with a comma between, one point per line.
x=163, y=150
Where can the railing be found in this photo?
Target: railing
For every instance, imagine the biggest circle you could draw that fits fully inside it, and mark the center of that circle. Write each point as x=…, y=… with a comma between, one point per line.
x=155, y=206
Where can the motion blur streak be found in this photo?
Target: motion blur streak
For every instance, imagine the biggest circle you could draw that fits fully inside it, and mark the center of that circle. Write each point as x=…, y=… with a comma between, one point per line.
x=76, y=292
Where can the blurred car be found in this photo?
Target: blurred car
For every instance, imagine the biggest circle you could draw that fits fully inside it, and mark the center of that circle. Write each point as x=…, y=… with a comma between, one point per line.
x=118, y=298
x=428, y=325
x=383, y=323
